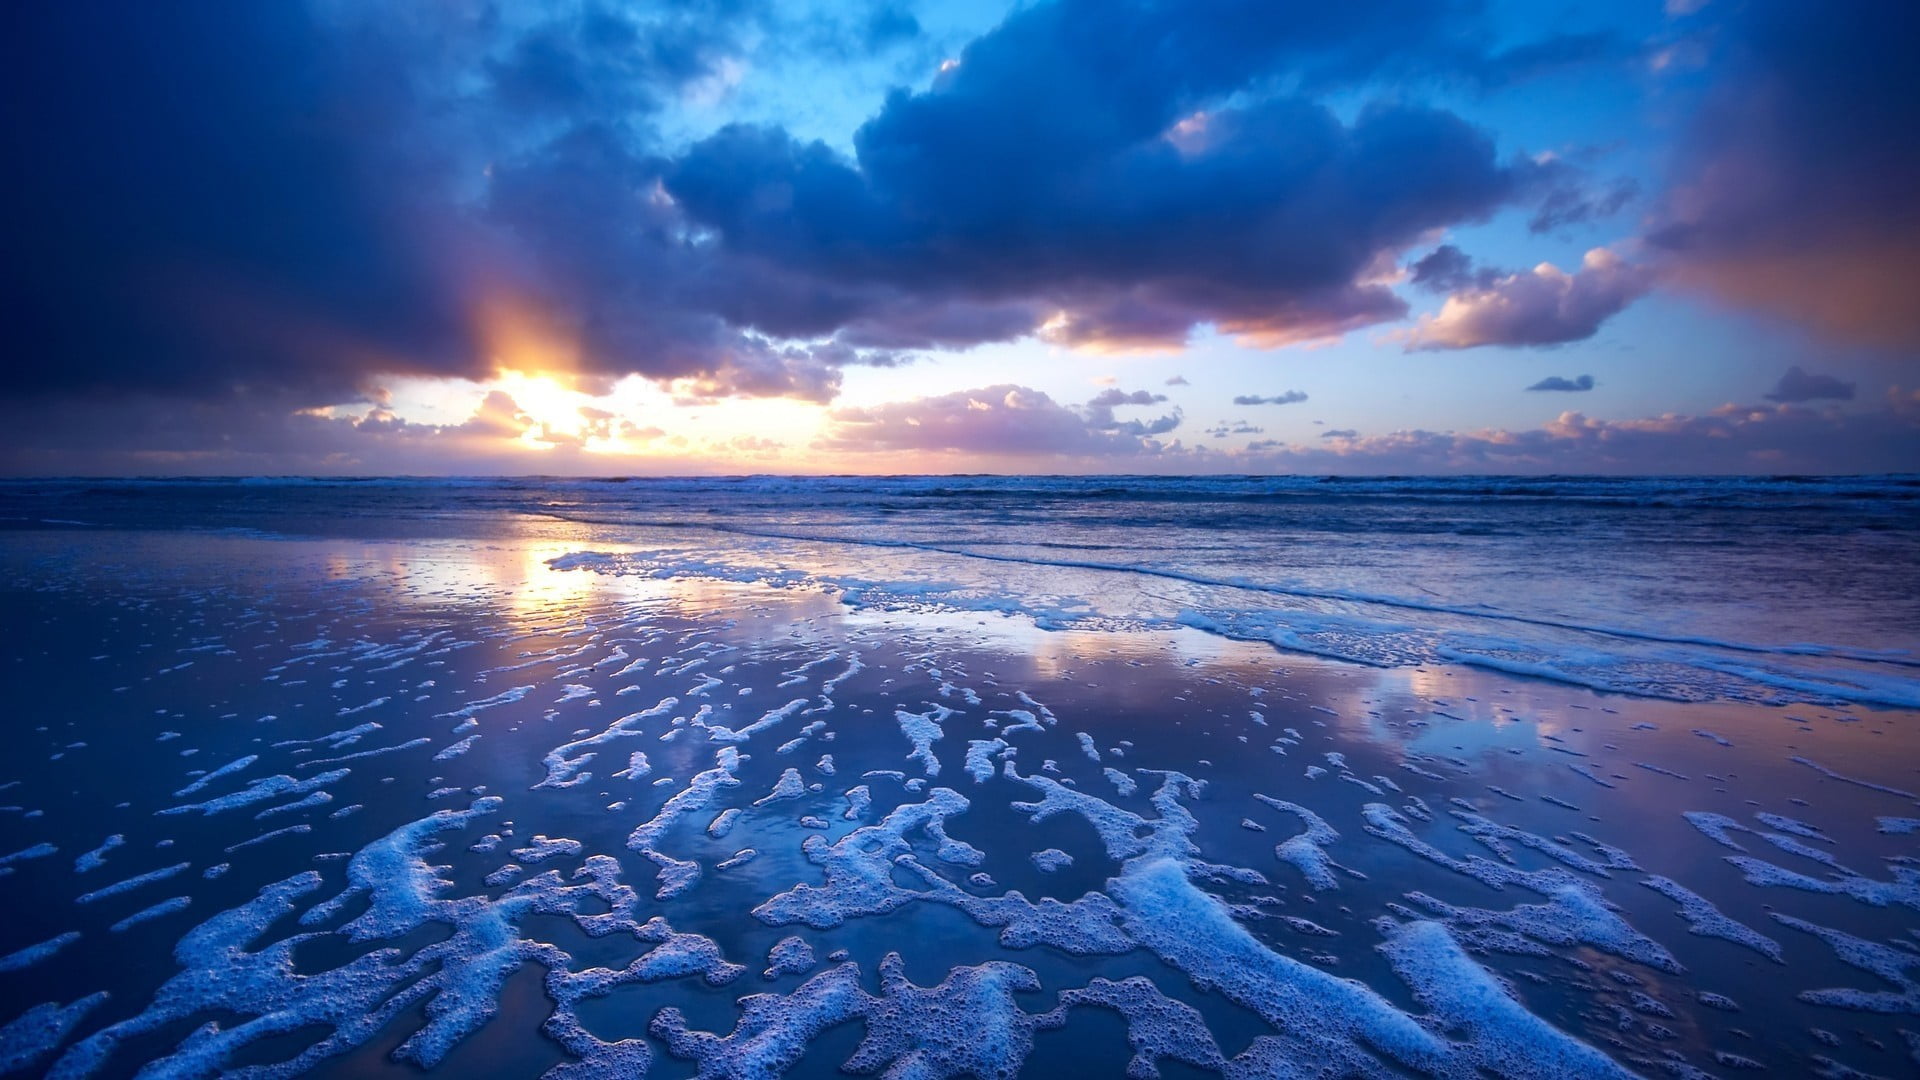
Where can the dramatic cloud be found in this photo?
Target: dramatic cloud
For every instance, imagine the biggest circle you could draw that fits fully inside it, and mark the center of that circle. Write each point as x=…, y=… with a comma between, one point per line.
x=1543, y=306
x=263, y=197
x=1132, y=205
x=256, y=198
x=1577, y=384
x=1798, y=385
x=1795, y=187
x=215, y=196
x=1003, y=421
x=223, y=218
x=1288, y=398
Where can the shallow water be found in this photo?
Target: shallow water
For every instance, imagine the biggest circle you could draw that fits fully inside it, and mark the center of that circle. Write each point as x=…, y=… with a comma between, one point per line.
x=1202, y=854
x=1765, y=590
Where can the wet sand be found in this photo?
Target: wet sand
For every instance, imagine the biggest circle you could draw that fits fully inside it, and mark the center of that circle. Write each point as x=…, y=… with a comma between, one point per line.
x=1483, y=825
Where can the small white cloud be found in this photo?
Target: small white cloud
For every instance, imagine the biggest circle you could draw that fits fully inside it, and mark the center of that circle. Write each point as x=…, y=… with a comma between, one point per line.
x=1542, y=306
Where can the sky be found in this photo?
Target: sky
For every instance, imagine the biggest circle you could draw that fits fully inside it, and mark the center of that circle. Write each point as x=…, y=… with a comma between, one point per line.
x=590, y=237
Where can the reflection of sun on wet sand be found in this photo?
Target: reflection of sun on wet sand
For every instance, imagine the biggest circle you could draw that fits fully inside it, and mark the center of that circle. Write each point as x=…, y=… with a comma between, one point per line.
x=608, y=799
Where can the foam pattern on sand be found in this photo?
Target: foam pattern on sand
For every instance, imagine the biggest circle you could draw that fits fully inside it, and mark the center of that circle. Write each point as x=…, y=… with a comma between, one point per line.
x=1179, y=880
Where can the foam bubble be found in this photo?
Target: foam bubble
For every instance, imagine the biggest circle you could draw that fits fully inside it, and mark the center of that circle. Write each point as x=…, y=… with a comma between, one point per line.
x=228, y=769
x=1705, y=919
x=1157, y=1026
x=164, y=907
x=1498, y=1033
x=923, y=730
x=542, y=848
x=790, y=956
x=694, y=797
x=1051, y=859
x=38, y=851
x=95, y=859
x=980, y=755
x=34, y=954
x=791, y=785
x=1306, y=851
x=29, y=1038
x=130, y=884
x=271, y=787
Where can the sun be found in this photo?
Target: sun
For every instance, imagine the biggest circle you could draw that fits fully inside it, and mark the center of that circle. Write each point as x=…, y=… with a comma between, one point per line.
x=551, y=407
x=538, y=364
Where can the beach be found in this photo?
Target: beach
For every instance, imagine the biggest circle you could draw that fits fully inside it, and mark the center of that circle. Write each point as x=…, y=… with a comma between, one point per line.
x=960, y=776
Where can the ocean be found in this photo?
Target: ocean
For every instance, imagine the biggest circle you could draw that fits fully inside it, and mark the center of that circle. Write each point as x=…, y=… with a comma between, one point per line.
x=960, y=776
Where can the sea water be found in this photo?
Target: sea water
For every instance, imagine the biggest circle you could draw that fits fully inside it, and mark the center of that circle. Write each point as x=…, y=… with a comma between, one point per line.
x=960, y=776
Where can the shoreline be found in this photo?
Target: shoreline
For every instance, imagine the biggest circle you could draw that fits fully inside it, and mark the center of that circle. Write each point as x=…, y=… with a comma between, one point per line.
x=1534, y=765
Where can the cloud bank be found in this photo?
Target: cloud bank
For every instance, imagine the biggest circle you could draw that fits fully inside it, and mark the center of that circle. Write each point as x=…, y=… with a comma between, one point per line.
x=1000, y=421
x=1003, y=427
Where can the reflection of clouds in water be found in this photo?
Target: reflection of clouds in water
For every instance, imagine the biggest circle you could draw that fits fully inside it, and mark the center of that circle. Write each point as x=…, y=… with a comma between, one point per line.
x=429, y=641
x=513, y=576
x=1362, y=626
x=540, y=587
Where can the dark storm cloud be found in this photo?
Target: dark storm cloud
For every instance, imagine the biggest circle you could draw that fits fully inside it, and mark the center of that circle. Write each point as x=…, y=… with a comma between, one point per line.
x=206, y=194
x=216, y=197
x=1794, y=193
x=599, y=62
x=1263, y=224
x=1577, y=384
x=890, y=319
x=1797, y=385
x=1078, y=159
x=224, y=196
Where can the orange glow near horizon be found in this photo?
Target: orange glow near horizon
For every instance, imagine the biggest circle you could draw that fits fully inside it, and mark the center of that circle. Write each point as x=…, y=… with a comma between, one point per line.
x=544, y=403
x=539, y=365
x=552, y=409
x=633, y=424
x=519, y=340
